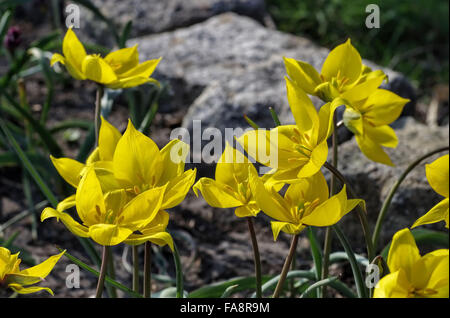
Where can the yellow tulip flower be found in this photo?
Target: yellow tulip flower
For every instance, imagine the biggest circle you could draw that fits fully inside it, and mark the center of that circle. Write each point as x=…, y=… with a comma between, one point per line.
x=19, y=280
x=369, y=109
x=119, y=69
x=231, y=188
x=108, y=218
x=139, y=165
x=305, y=203
x=301, y=149
x=412, y=275
x=437, y=175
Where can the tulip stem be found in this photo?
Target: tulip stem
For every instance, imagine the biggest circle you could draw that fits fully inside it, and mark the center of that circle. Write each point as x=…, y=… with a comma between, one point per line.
x=256, y=257
x=147, y=270
x=135, y=253
x=98, y=108
x=286, y=266
x=329, y=233
x=103, y=269
x=361, y=212
x=387, y=201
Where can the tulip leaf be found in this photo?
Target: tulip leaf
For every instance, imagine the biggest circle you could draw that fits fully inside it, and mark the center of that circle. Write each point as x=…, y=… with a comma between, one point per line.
x=425, y=237
x=270, y=284
x=316, y=252
x=360, y=287
x=313, y=287
x=229, y=291
x=108, y=279
x=216, y=290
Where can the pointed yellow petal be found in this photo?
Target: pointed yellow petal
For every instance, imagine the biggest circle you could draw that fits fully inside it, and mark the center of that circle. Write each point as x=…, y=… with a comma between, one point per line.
x=97, y=70
x=178, y=188
x=174, y=157
x=73, y=49
x=44, y=268
x=69, y=169
x=403, y=252
x=326, y=113
x=108, y=138
x=143, y=70
x=57, y=58
x=29, y=290
x=302, y=74
x=383, y=135
x=308, y=189
x=383, y=107
x=123, y=60
x=302, y=108
x=437, y=213
x=318, y=157
x=137, y=160
x=89, y=199
x=363, y=90
x=343, y=60
x=288, y=228
x=142, y=209
x=438, y=175
x=216, y=194
x=247, y=210
x=67, y=203
x=72, y=225
x=131, y=82
x=372, y=150
x=109, y=234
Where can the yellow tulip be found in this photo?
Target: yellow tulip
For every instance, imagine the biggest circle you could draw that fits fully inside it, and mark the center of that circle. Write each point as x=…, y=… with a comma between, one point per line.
x=437, y=175
x=231, y=188
x=119, y=69
x=301, y=149
x=139, y=165
x=108, y=218
x=19, y=280
x=369, y=109
x=305, y=203
x=412, y=275
x=341, y=72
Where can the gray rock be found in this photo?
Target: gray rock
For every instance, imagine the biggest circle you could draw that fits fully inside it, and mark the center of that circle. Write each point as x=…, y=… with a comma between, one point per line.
x=373, y=181
x=234, y=66
x=154, y=16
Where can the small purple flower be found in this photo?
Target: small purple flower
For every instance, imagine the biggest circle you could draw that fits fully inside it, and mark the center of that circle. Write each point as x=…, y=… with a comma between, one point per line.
x=12, y=38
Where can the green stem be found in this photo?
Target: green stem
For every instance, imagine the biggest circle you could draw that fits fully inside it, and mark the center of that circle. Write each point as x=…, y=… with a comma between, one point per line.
x=97, y=114
x=111, y=273
x=361, y=212
x=147, y=269
x=329, y=233
x=103, y=269
x=135, y=251
x=256, y=257
x=387, y=201
x=179, y=272
x=286, y=266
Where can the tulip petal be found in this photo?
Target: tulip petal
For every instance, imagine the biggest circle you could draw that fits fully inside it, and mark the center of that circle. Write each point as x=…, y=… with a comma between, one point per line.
x=286, y=227
x=318, y=157
x=89, y=199
x=131, y=82
x=29, y=290
x=178, y=188
x=109, y=234
x=123, y=60
x=383, y=135
x=437, y=213
x=43, y=269
x=302, y=74
x=158, y=238
x=383, y=107
x=372, y=150
x=403, y=252
x=216, y=194
x=174, y=157
x=438, y=175
x=363, y=90
x=137, y=160
x=143, y=70
x=343, y=60
x=72, y=225
x=97, y=70
x=69, y=169
x=67, y=203
x=73, y=50
x=393, y=285
x=108, y=138
x=248, y=210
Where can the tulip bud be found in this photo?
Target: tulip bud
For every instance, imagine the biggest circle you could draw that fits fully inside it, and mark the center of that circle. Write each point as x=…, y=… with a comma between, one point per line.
x=13, y=38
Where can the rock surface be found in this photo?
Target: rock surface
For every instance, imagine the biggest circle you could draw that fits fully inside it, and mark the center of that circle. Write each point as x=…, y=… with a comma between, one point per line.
x=230, y=65
x=154, y=16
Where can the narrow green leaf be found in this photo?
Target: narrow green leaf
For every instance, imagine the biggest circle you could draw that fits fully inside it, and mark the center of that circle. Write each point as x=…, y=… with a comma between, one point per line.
x=216, y=290
x=271, y=283
x=357, y=275
x=229, y=291
x=313, y=287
